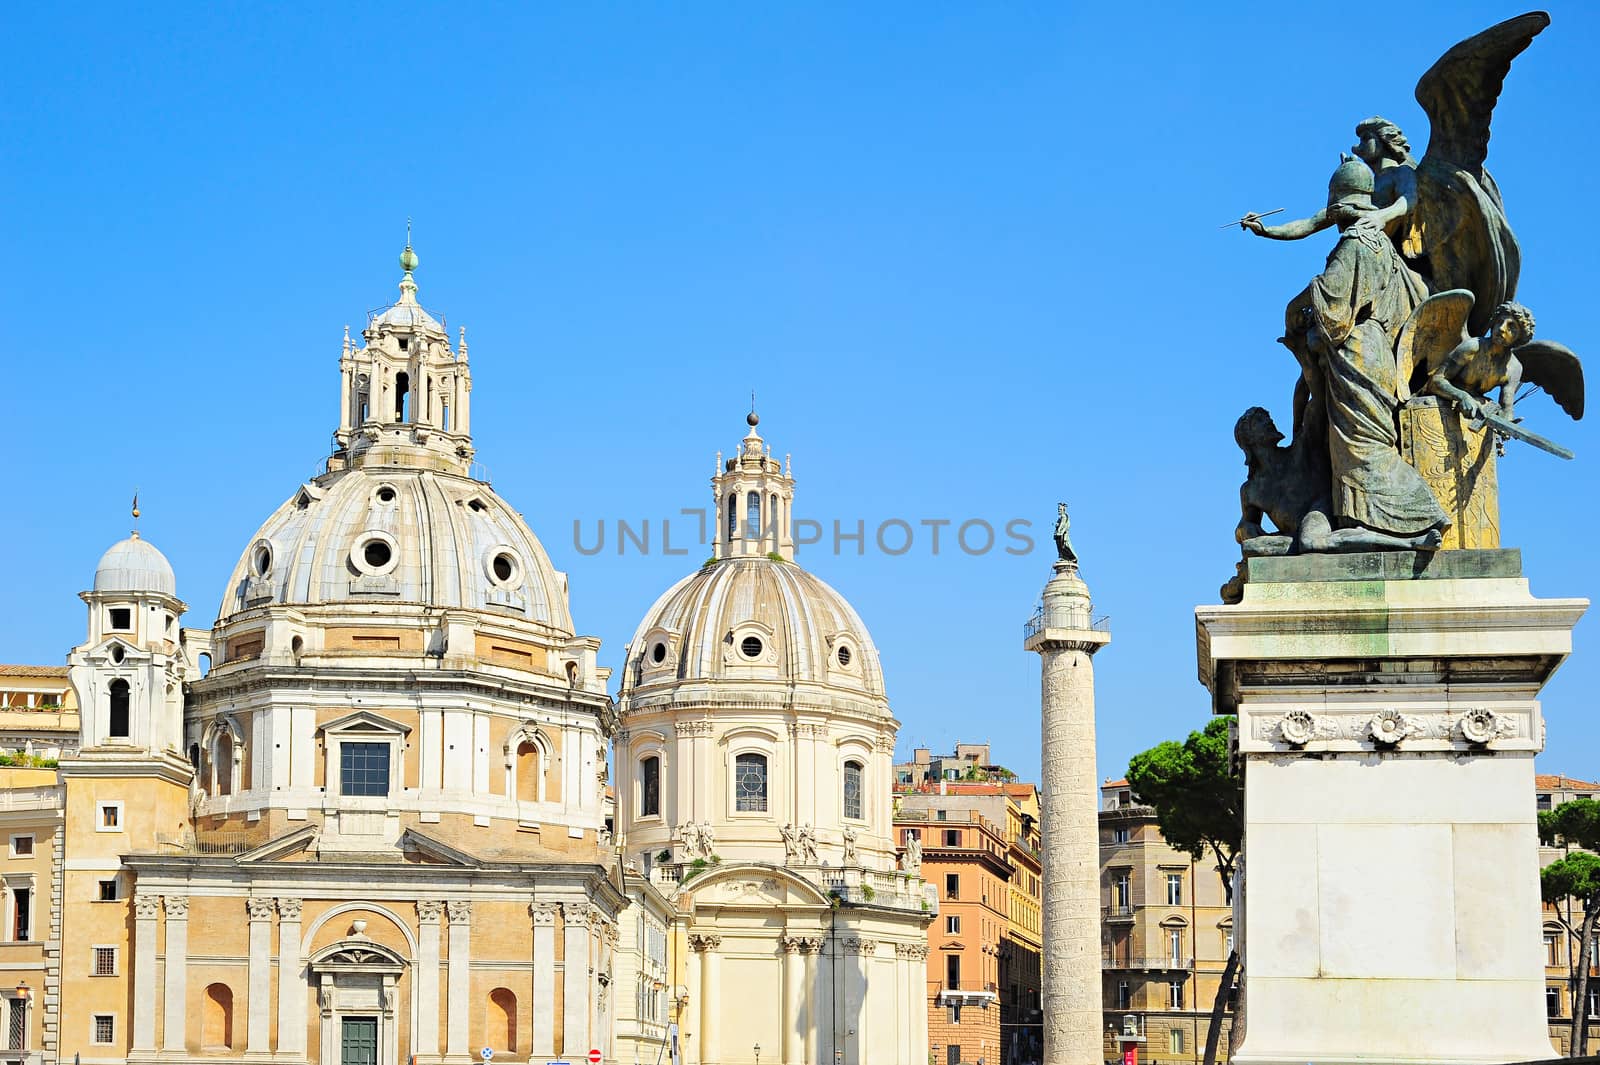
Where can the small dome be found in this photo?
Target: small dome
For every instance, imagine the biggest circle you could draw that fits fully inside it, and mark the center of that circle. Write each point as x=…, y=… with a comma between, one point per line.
x=755, y=620
x=409, y=315
x=402, y=535
x=134, y=565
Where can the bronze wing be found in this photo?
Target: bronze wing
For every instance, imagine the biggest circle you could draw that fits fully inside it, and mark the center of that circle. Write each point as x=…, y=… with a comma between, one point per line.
x=1554, y=368
x=1460, y=90
x=1431, y=333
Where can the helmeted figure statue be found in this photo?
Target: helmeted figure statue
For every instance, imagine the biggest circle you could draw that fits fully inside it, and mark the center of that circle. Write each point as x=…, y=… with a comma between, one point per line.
x=1064, y=551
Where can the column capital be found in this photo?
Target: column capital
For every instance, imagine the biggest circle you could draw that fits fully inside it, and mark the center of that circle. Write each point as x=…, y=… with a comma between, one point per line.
x=579, y=914
x=801, y=944
x=259, y=907
x=858, y=945
x=701, y=942
x=543, y=914
x=146, y=907
x=459, y=911
x=429, y=910
x=917, y=951
x=289, y=909
x=177, y=907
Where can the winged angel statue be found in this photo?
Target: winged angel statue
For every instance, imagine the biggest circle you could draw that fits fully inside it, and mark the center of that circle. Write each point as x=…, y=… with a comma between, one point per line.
x=1417, y=299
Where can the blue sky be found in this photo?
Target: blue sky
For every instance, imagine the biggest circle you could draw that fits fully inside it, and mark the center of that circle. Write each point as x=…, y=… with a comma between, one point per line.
x=967, y=255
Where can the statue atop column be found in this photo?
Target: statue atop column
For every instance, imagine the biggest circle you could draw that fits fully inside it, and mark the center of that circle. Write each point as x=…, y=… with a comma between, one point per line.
x=1064, y=551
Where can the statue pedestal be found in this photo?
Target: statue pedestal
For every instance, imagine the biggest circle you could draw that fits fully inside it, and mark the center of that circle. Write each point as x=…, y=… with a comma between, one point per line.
x=1459, y=465
x=1388, y=722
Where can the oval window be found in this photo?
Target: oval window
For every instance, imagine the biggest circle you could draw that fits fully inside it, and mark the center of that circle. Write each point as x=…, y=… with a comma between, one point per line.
x=376, y=554
x=504, y=567
x=658, y=653
x=750, y=646
x=843, y=655
x=262, y=562
x=386, y=494
x=116, y=653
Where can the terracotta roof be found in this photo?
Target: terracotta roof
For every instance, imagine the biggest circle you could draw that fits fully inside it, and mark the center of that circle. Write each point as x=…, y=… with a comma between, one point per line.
x=33, y=671
x=1116, y=783
x=1561, y=783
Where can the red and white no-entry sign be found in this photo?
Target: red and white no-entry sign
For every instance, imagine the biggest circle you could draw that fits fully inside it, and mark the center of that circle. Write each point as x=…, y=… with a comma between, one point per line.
x=594, y=1057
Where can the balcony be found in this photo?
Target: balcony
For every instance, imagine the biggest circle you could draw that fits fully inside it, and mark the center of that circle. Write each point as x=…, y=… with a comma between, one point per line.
x=971, y=995
x=1119, y=912
x=1146, y=962
x=1069, y=619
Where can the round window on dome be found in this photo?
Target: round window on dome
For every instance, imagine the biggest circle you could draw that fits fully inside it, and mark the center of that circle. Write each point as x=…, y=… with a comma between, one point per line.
x=658, y=653
x=751, y=647
x=261, y=560
x=843, y=655
x=505, y=570
x=385, y=493
x=374, y=554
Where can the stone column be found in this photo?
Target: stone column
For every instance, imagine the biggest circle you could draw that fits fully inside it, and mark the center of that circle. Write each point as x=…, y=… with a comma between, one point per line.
x=1066, y=640
x=427, y=978
x=919, y=1003
x=575, y=918
x=291, y=989
x=458, y=993
x=809, y=951
x=794, y=1002
x=258, y=1033
x=544, y=978
x=857, y=955
x=710, y=990
x=175, y=1004
x=145, y=911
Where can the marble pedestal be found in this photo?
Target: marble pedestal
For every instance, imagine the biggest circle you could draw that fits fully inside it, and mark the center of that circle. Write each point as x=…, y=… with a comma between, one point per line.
x=1388, y=722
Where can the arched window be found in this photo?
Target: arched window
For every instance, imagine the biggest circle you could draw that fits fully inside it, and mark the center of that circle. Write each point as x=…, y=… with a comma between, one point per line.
x=117, y=722
x=650, y=786
x=752, y=516
x=852, y=790
x=223, y=762
x=750, y=783
x=216, y=1022
x=402, y=396
x=529, y=771
x=500, y=1020
x=733, y=514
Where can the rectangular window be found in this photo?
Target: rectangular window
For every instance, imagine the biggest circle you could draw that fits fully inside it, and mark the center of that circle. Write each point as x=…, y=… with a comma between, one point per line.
x=16, y=1023
x=952, y=837
x=22, y=846
x=1227, y=944
x=852, y=791
x=1552, y=1001
x=750, y=783
x=952, y=972
x=1123, y=885
x=110, y=817
x=1552, y=948
x=955, y=1015
x=108, y=890
x=363, y=768
x=21, y=914
x=1175, y=947
x=940, y=815
x=1594, y=1001
x=1174, y=889
x=105, y=1029
x=1175, y=1040
x=1124, y=995
x=121, y=618
x=1119, y=835
x=105, y=961
x=952, y=1054
x=952, y=925
x=952, y=885
x=1175, y=995
x=650, y=787
x=1544, y=801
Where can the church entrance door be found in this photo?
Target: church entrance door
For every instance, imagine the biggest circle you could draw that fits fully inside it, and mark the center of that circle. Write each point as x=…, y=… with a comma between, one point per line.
x=358, y=1041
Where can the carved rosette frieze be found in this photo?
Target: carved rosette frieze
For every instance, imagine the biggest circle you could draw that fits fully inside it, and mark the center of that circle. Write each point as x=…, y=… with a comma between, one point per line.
x=430, y=910
x=543, y=914
x=1388, y=727
x=1479, y=725
x=459, y=911
x=700, y=942
x=1297, y=728
x=176, y=906
x=1330, y=728
x=259, y=908
x=146, y=907
x=289, y=909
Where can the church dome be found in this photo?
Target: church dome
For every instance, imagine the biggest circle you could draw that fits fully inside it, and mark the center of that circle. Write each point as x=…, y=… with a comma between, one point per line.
x=134, y=565
x=399, y=535
x=752, y=620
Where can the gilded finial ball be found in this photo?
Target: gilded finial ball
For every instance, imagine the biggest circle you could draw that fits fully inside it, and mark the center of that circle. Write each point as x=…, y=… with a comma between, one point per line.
x=752, y=419
x=408, y=259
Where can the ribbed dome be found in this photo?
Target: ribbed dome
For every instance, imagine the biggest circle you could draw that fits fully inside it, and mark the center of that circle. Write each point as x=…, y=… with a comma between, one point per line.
x=399, y=535
x=134, y=565
x=742, y=620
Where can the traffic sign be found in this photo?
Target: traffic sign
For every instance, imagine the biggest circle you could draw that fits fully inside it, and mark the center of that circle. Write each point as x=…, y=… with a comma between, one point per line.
x=594, y=1057
x=487, y=1053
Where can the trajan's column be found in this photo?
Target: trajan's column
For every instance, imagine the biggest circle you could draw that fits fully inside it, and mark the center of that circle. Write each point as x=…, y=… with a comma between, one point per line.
x=1065, y=636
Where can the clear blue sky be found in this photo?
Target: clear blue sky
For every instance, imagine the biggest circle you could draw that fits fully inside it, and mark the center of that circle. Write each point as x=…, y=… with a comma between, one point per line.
x=968, y=255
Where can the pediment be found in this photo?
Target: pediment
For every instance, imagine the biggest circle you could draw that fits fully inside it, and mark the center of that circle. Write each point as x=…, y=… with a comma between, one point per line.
x=430, y=851
x=365, y=721
x=291, y=845
x=757, y=886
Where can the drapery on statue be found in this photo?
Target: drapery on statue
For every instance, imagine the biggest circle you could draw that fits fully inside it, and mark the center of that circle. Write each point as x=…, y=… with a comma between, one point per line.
x=1064, y=551
x=1416, y=300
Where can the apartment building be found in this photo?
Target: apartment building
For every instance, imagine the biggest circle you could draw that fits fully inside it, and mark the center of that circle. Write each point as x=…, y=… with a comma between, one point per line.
x=1560, y=948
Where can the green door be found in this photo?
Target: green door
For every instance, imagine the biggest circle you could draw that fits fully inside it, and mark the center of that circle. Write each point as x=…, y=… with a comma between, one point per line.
x=358, y=1041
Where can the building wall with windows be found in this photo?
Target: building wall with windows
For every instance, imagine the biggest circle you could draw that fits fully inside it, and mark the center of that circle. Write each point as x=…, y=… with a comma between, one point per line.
x=38, y=714
x=1561, y=920
x=1166, y=933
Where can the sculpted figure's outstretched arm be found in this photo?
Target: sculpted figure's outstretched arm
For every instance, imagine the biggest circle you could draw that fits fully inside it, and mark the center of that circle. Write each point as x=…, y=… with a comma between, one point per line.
x=1299, y=229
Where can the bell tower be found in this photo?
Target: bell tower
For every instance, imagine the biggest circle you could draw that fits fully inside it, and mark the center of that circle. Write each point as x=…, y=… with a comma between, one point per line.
x=405, y=395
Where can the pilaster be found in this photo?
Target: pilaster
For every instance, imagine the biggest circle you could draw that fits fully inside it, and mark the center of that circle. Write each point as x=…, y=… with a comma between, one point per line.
x=427, y=1002
x=258, y=1001
x=146, y=913
x=459, y=992
x=176, y=992
x=291, y=983
x=543, y=915
x=575, y=919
